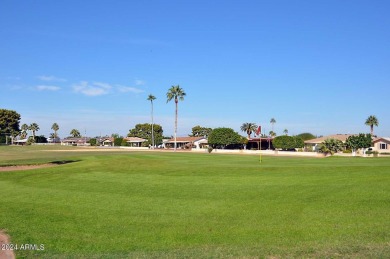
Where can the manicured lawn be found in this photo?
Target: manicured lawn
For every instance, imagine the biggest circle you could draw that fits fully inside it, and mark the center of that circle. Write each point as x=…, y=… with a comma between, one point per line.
x=156, y=204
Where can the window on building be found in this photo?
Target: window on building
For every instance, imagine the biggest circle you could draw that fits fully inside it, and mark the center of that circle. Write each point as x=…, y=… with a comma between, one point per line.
x=382, y=145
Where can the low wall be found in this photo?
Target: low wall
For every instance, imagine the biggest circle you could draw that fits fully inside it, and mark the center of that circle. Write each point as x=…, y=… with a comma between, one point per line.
x=257, y=152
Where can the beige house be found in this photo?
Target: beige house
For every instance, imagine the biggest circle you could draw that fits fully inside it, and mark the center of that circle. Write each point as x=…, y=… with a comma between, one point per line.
x=134, y=141
x=107, y=141
x=71, y=141
x=381, y=145
x=186, y=142
x=314, y=144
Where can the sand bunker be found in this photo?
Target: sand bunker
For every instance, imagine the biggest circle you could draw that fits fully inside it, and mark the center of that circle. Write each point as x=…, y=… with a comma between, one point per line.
x=23, y=167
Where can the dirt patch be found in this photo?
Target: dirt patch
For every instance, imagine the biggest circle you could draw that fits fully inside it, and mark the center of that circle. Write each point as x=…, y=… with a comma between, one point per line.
x=28, y=167
x=24, y=167
x=4, y=252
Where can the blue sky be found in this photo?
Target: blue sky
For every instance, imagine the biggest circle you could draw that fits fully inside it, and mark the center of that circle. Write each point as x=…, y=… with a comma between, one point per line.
x=315, y=66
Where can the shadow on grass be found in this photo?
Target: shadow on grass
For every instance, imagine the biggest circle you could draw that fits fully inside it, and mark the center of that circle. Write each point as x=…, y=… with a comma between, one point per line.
x=63, y=162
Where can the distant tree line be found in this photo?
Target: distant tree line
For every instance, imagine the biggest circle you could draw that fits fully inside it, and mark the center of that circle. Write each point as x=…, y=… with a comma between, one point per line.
x=153, y=133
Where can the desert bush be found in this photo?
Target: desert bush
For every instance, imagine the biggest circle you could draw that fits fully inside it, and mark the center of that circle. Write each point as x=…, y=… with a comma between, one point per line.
x=331, y=146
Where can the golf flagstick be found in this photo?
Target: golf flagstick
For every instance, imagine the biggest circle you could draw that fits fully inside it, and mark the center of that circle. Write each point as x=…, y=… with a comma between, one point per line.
x=259, y=134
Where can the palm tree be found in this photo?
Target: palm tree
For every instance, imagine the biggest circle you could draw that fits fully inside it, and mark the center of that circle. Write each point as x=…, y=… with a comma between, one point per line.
x=372, y=121
x=177, y=93
x=24, y=129
x=55, y=127
x=151, y=98
x=272, y=133
x=272, y=121
x=33, y=127
x=248, y=127
x=75, y=133
x=285, y=131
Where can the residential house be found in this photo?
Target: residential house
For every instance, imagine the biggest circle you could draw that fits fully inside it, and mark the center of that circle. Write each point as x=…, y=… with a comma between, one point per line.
x=314, y=144
x=53, y=140
x=187, y=142
x=106, y=141
x=381, y=144
x=71, y=141
x=134, y=141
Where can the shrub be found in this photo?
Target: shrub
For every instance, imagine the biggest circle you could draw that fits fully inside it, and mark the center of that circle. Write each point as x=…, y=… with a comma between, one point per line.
x=124, y=143
x=331, y=146
x=306, y=136
x=118, y=141
x=287, y=142
x=222, y=137
x=92, y=142
x=30, y=140
x=347, y=151
x=40, y=139
x=359, y=141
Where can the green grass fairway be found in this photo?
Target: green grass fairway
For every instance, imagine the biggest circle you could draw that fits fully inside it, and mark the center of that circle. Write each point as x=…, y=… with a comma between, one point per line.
x=184, y=205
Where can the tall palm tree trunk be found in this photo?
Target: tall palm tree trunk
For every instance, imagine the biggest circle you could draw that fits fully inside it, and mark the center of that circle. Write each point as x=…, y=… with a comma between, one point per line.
x=176, y=101
x=152, y=129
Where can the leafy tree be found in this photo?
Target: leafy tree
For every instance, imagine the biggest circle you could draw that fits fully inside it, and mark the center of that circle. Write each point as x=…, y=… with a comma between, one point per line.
x=244, y=141
x=40, y=139
x=115, y=135
x=118, y=141
x=331, y=146
x=352, y=142
x=55, y=127
x=272, y=133
x=75, y=133
x=248, y=127
x=222, y=137
x=285, y=131
x=93, y=142
x=306, y=136
x=359, y=141
x=177, y=93
x=199, y=131
x=124, y=143
x=299, y=143
x=9, y=121
x=287, y=142
x=372, y=121
x=151, y=98
x=34, y=128
x=145, y=131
